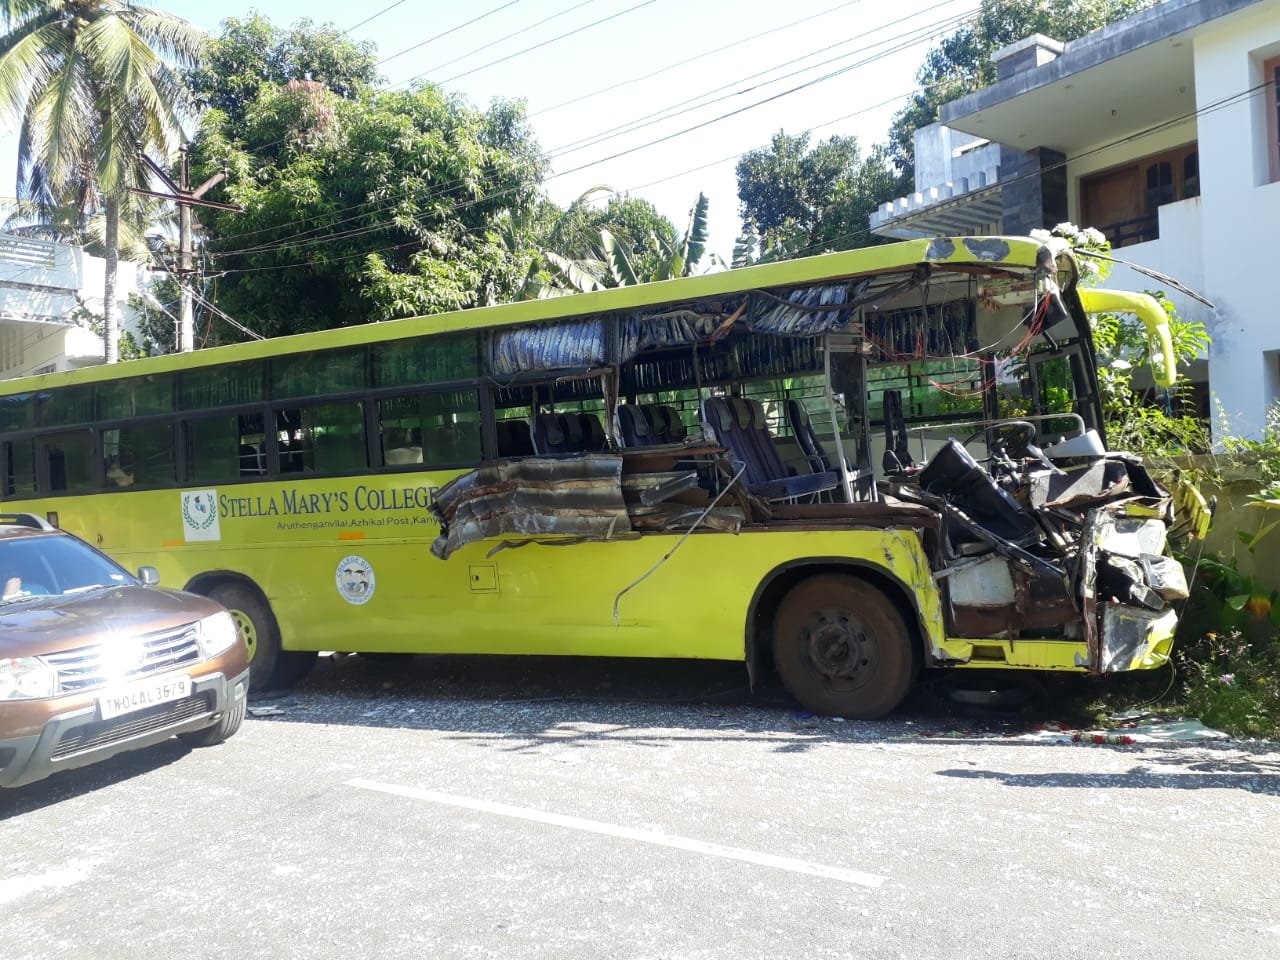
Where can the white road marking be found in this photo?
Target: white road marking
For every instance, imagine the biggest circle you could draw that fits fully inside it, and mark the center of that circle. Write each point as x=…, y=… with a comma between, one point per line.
x=628, y=833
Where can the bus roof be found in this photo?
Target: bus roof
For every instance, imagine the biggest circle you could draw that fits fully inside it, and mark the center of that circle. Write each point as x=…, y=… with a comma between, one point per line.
x=992, y=252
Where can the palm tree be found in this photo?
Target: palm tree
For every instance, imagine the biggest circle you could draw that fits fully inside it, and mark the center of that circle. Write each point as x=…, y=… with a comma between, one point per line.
x=94, y=84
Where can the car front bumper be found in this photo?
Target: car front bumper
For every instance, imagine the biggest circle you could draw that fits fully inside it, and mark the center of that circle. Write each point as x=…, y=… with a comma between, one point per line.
x=80, y=736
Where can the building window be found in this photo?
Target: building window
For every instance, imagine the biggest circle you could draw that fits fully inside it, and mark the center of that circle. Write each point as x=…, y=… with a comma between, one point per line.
x=1271, y=77
x=1123, y=202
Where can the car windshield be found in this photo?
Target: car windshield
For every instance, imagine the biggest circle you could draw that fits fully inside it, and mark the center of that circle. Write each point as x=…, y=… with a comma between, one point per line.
x=54, y=566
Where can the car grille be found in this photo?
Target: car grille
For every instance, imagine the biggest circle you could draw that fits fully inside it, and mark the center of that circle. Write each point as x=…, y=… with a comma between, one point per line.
x=103, y=733
x=125, y=659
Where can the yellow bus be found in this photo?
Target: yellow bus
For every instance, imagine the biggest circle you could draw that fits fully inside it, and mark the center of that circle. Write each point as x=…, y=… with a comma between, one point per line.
x=845, y=469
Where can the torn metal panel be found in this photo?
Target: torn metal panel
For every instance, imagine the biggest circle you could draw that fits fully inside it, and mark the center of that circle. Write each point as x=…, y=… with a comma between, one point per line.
x=1133, y=638
x=577, y=497
x=1129, y=536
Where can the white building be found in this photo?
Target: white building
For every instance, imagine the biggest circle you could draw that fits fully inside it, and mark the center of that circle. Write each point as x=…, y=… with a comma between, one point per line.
x=1162, y=130
x=44, y=288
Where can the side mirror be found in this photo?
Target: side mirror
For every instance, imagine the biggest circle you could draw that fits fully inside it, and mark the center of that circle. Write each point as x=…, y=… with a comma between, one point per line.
x=149, y=576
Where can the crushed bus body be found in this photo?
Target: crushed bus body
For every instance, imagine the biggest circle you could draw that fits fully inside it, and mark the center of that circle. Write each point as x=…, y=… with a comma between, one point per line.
x=843, y=469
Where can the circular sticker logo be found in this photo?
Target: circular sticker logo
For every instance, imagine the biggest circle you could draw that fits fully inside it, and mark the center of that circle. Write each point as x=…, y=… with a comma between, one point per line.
x=355, y=580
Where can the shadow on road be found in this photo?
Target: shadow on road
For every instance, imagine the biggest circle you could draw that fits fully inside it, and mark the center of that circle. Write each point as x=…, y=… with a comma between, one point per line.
x=63, y=786
x=1233, y=775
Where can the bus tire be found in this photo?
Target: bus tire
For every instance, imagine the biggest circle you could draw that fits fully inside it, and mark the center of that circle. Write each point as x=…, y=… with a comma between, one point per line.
x=270, y=667
x=841, y=647
x=216, y=733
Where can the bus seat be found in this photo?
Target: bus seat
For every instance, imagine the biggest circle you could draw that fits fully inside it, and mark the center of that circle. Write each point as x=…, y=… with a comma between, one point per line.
x=667, y=423
x=806, y=436
x=739, y=424
x=897, y=455
x=571, y=427
x=548, y=434
x=592, y=432
x=635, y=426
x=514, y=439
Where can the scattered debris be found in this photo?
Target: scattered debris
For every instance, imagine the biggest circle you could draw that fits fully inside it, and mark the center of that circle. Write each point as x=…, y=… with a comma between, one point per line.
x=267, y=711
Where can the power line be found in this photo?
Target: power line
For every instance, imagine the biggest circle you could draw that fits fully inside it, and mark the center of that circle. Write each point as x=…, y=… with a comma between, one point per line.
x=903, y=40
x=372, y=203
x=372, y=17
x=536, y=46
x=694, y=59
x=1220, y=104
x=514, y=33
x=423, y=43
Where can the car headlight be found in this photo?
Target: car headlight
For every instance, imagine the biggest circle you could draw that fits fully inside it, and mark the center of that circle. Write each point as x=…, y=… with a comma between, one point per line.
x=26, y=678
x=217, y=634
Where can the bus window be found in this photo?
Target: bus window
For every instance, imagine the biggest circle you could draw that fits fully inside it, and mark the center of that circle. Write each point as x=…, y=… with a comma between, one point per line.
x=135, y=397
x=224, y=447
x=229, y=385
x=20, y=468
x=317, y=374
x=141, y=455
x=68, y=405
x=68, y=458
x=423, y=360
x=439, y=429
x=322, y=439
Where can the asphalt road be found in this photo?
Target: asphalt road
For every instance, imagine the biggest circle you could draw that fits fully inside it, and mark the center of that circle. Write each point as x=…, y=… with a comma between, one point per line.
x=450, y=807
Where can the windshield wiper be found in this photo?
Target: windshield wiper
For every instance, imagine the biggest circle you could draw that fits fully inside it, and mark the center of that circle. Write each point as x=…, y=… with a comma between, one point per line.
x=87, y=588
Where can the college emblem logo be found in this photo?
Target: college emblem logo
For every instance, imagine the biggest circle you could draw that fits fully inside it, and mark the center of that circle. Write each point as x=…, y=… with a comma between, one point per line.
x=200, y=515
x=355, y=580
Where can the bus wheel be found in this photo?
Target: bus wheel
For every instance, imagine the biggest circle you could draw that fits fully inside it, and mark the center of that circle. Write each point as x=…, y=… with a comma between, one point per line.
x=269, y=666
x=841, y=647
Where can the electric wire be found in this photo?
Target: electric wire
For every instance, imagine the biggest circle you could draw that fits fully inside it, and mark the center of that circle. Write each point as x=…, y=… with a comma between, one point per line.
x=372, y=17
x=1212, y=107
x=438, y=36
x=536, y=46
x=904, y=41
x=514, y=33
x=391, y=202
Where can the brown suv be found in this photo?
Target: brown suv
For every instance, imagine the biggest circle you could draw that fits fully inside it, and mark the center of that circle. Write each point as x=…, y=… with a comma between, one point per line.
x=95, y=661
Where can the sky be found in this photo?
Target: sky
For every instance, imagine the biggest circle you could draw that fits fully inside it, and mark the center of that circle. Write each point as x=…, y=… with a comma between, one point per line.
x=669, y=93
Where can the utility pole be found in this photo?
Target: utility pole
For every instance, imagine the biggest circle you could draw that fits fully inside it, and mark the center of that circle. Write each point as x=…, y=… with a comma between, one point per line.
x=186, y=198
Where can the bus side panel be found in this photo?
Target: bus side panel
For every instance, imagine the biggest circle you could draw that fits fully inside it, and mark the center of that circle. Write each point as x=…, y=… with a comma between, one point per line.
x=356, y=586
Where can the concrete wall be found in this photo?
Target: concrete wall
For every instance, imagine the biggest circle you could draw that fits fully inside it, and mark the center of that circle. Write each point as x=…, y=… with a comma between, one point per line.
x=42, y=287
x=1240, y=211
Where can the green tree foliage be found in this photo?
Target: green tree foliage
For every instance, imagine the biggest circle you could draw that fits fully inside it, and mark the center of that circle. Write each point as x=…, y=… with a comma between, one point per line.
x=388, y=205
x=962, y=63
x=253, y=54
x=93, y=84
x=793, y=198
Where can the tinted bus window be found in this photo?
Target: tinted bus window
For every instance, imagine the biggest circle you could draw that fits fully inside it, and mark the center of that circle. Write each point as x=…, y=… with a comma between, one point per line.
x=141, y=456
x=136, y=397
x=17, y=412
x=438, y=359
x=325, y=438
x=226, y=386
x=69, y=460
x=20, y=467
x=316, y=374
x=225, y=447
x=441, y=429
x=66, y=406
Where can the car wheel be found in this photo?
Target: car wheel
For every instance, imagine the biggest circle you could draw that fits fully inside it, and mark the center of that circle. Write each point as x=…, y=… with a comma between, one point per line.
x=842, y=649
x=270, y=667
x=225, y=728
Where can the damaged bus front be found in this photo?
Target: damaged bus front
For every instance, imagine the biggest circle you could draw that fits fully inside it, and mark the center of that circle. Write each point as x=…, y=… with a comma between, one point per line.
x=846, y=468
